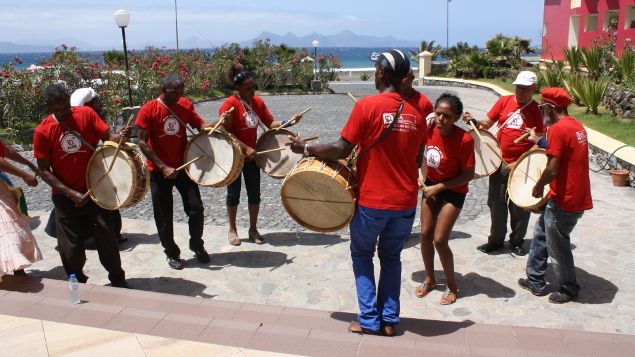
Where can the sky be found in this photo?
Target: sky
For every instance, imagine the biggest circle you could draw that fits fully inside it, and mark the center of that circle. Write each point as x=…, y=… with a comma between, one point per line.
x=220, y=21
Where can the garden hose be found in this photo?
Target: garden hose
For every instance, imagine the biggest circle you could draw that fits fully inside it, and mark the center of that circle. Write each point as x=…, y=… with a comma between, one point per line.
x=610, y=156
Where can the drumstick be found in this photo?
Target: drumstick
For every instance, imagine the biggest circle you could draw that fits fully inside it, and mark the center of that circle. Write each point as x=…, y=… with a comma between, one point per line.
x=272, y=150
x=221, y=119
x=188, y=163
x=310, y=138
x=297, y=115
x=521, y=138
x=352, y=97
x=112, y=162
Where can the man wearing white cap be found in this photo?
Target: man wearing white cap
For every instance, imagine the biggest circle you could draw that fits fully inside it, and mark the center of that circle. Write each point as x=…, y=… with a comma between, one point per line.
x=512, y=114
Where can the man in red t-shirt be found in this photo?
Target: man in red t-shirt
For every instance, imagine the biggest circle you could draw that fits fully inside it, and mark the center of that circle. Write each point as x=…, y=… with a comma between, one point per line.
x=387, y=172
x=63, y=144
x=163, y=139
x=567, y=174
x=512, y=114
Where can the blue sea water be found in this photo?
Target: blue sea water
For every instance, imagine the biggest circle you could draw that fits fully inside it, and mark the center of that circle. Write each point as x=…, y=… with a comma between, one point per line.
x=351, y=57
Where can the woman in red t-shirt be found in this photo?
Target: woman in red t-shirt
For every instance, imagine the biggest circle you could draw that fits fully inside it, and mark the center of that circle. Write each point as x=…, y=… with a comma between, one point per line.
x=249, y=112
x=449, y=167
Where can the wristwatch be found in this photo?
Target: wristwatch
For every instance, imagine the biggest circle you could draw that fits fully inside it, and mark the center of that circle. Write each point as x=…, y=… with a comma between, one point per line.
x=306, y=149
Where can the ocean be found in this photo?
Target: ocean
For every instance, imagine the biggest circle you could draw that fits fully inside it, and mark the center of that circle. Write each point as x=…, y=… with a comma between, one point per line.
x=351, y=57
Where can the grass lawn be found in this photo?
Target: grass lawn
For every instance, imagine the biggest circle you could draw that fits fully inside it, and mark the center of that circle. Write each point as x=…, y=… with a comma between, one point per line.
x=606, y=123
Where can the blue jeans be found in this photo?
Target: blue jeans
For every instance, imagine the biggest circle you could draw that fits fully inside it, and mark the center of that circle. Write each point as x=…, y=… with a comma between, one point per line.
x=387, y=230
x=552, y=239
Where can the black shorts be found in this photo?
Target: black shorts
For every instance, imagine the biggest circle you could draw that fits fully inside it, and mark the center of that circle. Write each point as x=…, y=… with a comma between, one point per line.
x=456, y=199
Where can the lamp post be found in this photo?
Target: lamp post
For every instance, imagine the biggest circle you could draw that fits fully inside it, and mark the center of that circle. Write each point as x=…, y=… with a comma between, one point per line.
x=176, y=27
x=122, y=19
x=316, y=84
x=447, y=24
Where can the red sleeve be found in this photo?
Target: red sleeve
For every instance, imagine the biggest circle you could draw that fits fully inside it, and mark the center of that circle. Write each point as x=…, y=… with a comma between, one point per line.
x=195, y=120
x=143, y=117
x=354, y=128
x=99, y=125
x=494, y=113
x=41, y=148
x=467, y=151
x=555, y=141
x=3, y=151
x=428, y=108
x=539, y=123
x=228, y=104
x=264, y=114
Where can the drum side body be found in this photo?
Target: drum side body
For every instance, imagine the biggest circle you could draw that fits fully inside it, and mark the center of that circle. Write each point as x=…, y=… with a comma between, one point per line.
x=117, y=189
x=486, y=161
x=222, y=159
x=319, y=195
x=523, y=177
x=276, y=164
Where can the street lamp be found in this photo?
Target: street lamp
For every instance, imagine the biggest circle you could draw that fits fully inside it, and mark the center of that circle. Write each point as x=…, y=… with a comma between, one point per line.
x=122, y=19
x=447, y=24
x=315, y=84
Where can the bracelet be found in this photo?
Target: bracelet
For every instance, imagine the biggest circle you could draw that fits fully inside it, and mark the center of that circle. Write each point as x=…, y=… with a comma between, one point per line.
x=306, y=149
x=542, y=142
x=475, y=122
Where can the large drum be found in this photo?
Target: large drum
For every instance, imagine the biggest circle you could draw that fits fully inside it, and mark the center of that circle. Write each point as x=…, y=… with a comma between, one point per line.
x=279, y=163
x=486, y=160
x=221, y=159
x=125, y=185
x=320, y=195
x=523, y=176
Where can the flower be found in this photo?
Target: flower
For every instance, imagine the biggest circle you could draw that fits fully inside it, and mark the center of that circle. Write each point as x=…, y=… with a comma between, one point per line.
x=64, y=46
x=206, y=84
x=18, y=60
x=117, y=100
x=5, y=74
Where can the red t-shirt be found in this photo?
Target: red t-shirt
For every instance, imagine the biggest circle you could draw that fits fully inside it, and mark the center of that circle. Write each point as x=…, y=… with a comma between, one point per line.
x=67, y=154
x=448, y=156
x=168, y=137
x=529, y=117
x=571, y=189
x=3, y=151
x=387, y=174
x=242, y=123
x=422, y=102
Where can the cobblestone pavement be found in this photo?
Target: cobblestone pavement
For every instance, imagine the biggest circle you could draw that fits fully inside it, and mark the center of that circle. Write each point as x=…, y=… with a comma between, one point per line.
x=328, y=115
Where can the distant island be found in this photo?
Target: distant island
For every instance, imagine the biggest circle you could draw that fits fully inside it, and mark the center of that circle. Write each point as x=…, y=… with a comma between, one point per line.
x=340, y=39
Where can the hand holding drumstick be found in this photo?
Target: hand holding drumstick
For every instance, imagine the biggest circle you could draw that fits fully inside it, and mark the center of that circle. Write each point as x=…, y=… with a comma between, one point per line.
x=293, y=120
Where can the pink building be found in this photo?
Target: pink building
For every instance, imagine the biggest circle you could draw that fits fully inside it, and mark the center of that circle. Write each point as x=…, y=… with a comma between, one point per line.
x=570, y=23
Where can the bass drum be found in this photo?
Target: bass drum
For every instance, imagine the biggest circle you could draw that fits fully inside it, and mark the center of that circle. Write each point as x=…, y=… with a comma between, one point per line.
x=221, y=159
x=523, y=177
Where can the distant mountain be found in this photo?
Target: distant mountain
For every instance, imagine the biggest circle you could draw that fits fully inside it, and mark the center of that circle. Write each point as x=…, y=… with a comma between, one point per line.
x=10, y=47
x=341, y=39
x=38, y=45
x=187, y=43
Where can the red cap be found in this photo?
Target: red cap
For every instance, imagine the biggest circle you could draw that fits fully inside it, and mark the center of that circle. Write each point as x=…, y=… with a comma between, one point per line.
x=556, y=96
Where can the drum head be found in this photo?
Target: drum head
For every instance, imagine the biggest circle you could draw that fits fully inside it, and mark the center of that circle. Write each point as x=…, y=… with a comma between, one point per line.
x=486, y=160
x=317, y=199
x=523, y=177
x=276, y=164
x=117, y=187
x=217, y=161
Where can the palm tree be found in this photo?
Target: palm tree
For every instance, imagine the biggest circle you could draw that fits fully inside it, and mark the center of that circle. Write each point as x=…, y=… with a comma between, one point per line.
x=425, y=46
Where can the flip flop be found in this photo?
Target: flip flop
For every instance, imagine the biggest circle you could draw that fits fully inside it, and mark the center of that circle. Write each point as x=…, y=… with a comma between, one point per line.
x=424, y=289
x=449, y=297
x=256, y=237
x=233, y=239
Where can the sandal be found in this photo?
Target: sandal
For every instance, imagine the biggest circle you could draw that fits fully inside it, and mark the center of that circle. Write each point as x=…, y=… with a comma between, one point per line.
x=449, y=297
x=424, y=289
x=233, y=239
x=255, y=237
x=355, y=327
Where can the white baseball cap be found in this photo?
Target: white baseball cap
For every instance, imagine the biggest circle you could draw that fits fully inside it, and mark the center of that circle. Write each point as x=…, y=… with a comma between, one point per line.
x=82, y=96
x=526, y=78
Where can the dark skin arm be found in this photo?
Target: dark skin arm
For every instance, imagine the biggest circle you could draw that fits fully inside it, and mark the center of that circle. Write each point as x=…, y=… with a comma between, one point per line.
x=12, y=154
x=339, y=149
x=167, y=171
x=8, y=167
x=550, y=173
x=466, y=176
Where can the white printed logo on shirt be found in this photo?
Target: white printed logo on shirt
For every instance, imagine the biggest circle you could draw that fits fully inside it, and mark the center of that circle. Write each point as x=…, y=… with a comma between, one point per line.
x=70, y=143
x=171, y=126
x=581, y=135
x=433, y=157
x=388, y=118
x=516, y=121
x=251, y=120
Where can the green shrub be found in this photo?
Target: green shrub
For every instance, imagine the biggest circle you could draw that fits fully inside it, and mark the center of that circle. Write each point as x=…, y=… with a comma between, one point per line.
x=552, y=76
x=624, y=67
x=592, y=59
x=575, y=58
x=590, y=91
x=364, y=76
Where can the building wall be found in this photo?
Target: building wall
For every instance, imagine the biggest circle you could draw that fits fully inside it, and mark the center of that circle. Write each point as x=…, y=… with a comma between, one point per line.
x=557, y=24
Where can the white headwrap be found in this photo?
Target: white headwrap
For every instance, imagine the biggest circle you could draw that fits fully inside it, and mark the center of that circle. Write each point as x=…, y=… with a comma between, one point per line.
x=82, y=96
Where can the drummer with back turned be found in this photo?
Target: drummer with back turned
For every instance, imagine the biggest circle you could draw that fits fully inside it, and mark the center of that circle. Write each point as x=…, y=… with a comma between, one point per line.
x=512, y=114
x=163, y=139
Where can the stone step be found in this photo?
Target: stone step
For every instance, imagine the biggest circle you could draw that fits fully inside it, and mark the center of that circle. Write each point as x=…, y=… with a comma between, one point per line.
x=282, y=329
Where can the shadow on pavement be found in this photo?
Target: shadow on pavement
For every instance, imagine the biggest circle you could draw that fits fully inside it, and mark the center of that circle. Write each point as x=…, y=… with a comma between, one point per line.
x=22, y=284
x=176, y=286
x=427, y=328
x=249, y=259
x=287, y=239
x=415, y=238
x=135, y=239
x=594, y=289
x=470, y=284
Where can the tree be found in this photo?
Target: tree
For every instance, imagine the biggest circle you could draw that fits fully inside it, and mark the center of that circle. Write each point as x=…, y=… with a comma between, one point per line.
x=425, y=46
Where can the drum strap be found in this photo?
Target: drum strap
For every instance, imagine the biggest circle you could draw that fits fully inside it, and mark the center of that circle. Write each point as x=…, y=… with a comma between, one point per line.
x=248, y=107
x=385, y=132
x=66, y=128
x=175, y=115
x=517, y=111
